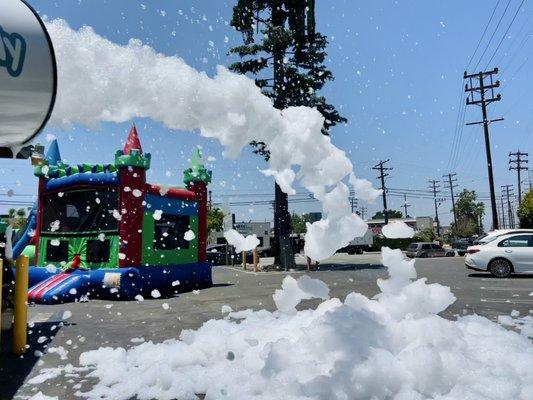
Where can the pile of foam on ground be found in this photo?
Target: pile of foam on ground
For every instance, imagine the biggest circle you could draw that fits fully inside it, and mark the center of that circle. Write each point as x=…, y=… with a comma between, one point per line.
x=121, y=82
x=392, y=346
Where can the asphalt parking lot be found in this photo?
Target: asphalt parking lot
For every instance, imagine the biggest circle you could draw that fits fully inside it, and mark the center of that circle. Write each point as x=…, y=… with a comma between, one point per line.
x=104, y=323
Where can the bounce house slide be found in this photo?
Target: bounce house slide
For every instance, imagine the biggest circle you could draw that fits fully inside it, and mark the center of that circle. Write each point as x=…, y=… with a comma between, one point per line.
x=29, y=230
x=63, y=286
x=76, y=284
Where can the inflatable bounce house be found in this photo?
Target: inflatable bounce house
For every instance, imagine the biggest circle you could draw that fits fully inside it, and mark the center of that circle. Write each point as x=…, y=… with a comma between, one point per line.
x=102, y=231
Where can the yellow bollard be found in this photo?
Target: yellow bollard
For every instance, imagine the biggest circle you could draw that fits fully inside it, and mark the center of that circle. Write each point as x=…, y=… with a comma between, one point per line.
x=1, y=283
x=20, y=323
x=256, y=260
x=244, y=260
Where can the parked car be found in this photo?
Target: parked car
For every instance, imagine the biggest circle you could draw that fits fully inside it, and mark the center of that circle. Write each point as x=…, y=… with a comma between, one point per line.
x=425, y=250
x=502, y=256
x=217, y=255
x=490, y=236
x=359, y=244
x=460, y=245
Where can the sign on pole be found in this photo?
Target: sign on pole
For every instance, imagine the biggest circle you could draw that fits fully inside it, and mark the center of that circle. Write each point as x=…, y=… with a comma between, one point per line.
x=28, y=73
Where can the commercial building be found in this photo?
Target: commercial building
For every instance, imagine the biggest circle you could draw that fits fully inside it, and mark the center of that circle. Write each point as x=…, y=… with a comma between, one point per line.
x=419, y=224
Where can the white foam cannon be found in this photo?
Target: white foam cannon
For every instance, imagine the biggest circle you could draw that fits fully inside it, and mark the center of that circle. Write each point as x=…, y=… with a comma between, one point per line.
x=28, y=78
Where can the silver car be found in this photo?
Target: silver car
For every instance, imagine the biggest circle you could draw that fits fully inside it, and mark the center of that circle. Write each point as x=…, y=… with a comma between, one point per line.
x=504, y=255
x=426, y=249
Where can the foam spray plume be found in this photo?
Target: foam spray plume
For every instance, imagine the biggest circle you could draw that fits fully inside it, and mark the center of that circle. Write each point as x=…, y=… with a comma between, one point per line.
x=124, y=82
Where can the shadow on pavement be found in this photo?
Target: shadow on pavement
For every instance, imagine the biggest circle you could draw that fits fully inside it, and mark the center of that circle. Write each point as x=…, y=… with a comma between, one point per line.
x=488, y=275
x=13, y=368
x=327, y=267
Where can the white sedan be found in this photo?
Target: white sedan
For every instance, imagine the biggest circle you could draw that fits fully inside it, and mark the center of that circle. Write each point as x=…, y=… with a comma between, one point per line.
x=506, y=254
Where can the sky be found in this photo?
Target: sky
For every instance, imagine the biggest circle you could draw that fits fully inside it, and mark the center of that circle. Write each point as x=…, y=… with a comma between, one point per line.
x=398, y=70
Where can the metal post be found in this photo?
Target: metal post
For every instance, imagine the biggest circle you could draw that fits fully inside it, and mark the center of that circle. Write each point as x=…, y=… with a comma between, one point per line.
x=21, y=305
x=1, y=285
x=256, y=260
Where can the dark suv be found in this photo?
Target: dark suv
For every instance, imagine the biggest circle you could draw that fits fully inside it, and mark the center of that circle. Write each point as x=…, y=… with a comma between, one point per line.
x=425, y=250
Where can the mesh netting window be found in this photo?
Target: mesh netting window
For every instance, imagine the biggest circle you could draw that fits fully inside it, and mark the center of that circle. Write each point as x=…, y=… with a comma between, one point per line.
x=169, y=232
x=84, y=210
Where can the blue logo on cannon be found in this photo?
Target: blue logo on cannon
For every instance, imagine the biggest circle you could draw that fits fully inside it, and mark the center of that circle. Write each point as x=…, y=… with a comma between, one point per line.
x=12, y=52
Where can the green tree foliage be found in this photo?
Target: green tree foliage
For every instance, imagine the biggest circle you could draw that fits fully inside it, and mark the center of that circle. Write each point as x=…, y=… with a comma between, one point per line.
x=298, y=223
x=17, y=217
x=284, y=30
x=215, y=220
x=469, y=213
x=525, y=211
x=391, y=214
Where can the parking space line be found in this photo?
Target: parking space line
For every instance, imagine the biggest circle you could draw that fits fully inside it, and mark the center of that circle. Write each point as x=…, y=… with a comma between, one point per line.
x=512, y=301
x=509, y=289
x=237, y=269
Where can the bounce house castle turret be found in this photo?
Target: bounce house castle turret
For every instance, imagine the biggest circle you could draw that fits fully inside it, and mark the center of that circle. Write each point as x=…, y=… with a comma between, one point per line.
x=132, y=165
x=196, y=178
x=102, y=231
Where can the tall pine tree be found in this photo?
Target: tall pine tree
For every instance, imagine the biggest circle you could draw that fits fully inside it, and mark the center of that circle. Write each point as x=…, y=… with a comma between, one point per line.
x=286, y=56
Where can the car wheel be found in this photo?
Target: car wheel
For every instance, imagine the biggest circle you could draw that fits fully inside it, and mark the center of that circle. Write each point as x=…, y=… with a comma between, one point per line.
x=423, y=255
x=359, y=251
x=351, y=252
x=500, y=268
x=450, y=254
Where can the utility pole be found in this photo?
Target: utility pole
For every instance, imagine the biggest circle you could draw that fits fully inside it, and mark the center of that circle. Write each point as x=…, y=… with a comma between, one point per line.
x=451, y=185
x=507, y=191
x=353, y=203
x=486, y=96
x=405, y=205
x=435, y=188
x=362, y=212
x=503, y=213
x=516, y=162
x=381, y=168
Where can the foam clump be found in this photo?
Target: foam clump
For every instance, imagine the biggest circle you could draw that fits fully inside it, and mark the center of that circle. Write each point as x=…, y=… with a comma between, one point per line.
x=293, y=291
x=392, y=346
x=241, y=242
x=397, y=230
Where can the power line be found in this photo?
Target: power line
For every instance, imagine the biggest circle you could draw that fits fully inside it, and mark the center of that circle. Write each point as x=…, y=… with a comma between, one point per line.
x=509, y=58
x=505, y=34
x=483, y=34
x=493, y=33
x=459, y=123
